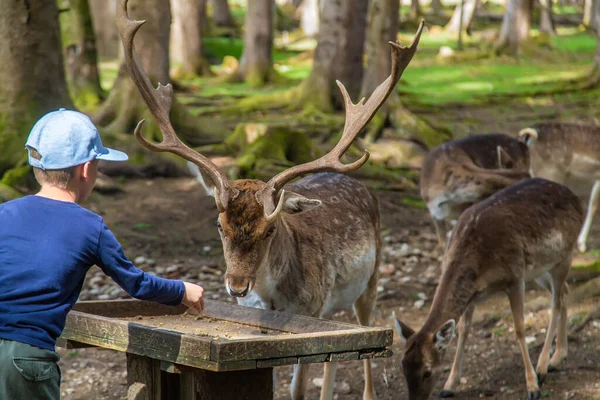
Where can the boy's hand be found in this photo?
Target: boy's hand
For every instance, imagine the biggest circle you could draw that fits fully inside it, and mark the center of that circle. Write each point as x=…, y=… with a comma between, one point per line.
x=193, y=296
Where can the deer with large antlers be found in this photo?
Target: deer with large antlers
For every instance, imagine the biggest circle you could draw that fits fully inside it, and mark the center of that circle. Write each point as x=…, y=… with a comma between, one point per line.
x=309, y=247
x=522, y=233
x=462, y=172
x=560, y=151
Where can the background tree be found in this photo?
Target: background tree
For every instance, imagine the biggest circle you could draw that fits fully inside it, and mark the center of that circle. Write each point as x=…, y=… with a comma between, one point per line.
x=309, y=17
x=436, y=7
x=189, y=18
x=105, y=29
x=125, y=107
x=547, y=18
x=415, y=9
x=222, y=13
x=81, y=56
x=515, y=26
x=470, y=6
x=32, y=78
x=256, y=64
x=383, y=24
x=338, y=55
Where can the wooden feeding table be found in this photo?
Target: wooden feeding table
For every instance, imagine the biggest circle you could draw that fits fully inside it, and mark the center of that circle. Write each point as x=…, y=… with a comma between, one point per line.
x=228, y=351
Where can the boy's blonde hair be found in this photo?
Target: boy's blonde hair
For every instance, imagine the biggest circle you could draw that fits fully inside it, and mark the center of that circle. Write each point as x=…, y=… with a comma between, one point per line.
x=55, y=177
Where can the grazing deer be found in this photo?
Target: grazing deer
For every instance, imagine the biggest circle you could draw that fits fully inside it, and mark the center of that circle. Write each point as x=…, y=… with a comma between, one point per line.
x=524, y=232
x=462, y=172
x=310, y=247
x=560, y=150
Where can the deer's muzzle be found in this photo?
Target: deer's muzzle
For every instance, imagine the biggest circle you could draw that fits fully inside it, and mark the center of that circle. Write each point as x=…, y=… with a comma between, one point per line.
x=238, y=287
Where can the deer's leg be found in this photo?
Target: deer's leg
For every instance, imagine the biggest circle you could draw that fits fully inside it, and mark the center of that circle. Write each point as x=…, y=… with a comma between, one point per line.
x=561, y=339
x=516, y=295
x=464, y=325
x=591, y=210
x=363, y=308
x=329, y=370
x=440, y=231
x=299, y=381
x=542, y=365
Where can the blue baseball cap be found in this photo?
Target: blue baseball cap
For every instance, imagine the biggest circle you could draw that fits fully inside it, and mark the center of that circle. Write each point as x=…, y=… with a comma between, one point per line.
x=66, y=138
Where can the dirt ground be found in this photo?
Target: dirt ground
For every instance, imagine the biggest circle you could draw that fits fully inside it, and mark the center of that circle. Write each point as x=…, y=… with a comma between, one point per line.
x=168, y=226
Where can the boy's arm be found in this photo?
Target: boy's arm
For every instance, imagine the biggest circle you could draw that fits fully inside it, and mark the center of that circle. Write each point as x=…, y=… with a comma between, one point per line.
x=111, y=258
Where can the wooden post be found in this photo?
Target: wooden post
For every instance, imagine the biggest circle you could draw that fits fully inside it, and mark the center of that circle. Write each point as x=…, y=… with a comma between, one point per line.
x=253, y=384
x=143, y=378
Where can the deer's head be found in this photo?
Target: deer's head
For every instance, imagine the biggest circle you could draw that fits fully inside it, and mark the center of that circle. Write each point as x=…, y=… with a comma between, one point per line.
x=423, y=355
x=249, y=209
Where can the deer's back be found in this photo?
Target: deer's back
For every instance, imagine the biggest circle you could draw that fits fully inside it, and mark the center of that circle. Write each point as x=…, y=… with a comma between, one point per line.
x=533, y=223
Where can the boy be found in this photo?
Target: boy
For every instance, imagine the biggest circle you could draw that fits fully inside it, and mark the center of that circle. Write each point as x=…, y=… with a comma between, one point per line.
x=47, y=244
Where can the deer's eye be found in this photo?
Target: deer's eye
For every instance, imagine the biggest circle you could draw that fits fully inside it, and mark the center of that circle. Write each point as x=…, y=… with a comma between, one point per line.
x=218, y=224
x=270, y=231
x=426, y=374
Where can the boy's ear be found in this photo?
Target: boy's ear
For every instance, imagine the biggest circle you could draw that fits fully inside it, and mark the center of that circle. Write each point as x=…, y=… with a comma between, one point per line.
x=403, y=330
x=295, y=203
x=207, y=183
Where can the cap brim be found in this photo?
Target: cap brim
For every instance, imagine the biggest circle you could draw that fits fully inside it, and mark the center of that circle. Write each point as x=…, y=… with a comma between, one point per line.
x=112, y=155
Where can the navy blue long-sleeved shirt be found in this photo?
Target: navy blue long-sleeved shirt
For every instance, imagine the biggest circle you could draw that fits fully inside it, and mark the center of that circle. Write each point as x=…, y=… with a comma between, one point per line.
x=46, y=248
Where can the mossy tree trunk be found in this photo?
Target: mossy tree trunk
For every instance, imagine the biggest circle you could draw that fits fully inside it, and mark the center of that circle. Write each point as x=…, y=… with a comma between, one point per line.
x=32, y=77
x=339, y=55
x=383, y=24
x=547, y=18
x=125, y=106
x=189, y=17
x=468, y=14
x=103, y=18
x=222, y=13
x=256, y=64
x=81, y=56
x=589, y=12
x=515, y=26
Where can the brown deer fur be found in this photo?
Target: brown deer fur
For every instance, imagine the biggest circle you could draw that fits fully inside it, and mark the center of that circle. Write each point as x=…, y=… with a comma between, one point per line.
x=462, y=172
x=560, y=151
x=524, y=232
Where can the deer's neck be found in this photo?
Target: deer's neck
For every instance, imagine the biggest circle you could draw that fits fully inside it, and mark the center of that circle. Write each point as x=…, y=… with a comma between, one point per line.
x=454, y=293
x=283, y=252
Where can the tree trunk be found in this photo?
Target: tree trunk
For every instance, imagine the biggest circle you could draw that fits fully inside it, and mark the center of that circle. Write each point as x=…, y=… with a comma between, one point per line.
x=338, y=55
x=222, y=13
x=81, y=57
x=32, y=77
x=256, y=64
x=515, y=26
x=590, y=13
x=189, y=16
x=105, y=28
x=125, y=106
x=547, y=18
x=383, y=27
x=309, y=17
x=436, y=7
x=415, y=9
x=467, y=16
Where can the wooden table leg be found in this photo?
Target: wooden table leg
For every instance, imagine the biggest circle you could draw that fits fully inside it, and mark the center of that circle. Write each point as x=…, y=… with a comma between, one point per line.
x=143, y=378
x=252, y=384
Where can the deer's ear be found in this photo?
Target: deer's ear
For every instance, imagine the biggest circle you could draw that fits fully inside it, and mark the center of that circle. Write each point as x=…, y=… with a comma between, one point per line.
x=205, y=180
x=444, y=335
x=504, y=159
x=403, y=330
x=295, y=203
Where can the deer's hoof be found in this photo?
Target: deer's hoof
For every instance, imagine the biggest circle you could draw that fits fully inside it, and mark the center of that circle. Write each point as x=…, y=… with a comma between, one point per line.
x=534, y=395
x=444, y=394
x=552, y=368
x=541, y=378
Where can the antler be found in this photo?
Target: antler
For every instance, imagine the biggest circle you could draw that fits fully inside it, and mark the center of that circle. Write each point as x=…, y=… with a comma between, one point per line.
x=357, y=116
x=159, y=102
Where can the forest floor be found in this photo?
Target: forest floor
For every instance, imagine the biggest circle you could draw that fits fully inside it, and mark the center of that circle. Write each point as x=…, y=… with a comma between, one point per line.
x=168, y=226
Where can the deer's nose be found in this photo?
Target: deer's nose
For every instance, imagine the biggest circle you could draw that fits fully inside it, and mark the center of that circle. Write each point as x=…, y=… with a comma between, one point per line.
x=238, y=293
